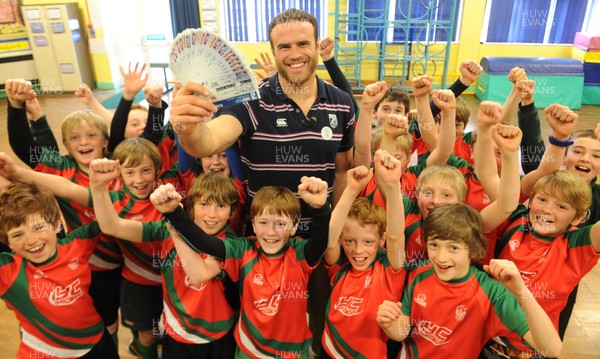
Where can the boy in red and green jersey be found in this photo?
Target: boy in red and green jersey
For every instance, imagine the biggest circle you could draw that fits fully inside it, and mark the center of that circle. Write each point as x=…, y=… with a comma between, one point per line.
x=364, y=274
x=480, y=307
x=271, y=269
x=45, y=281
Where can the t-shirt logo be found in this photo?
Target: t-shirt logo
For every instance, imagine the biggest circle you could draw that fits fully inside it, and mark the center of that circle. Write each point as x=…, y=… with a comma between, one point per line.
x=349, y=306
x=67, y=295
x=74, y=263
x=333, y=121
x=485, y=199
x=268, y=307
x=368, y=281
x=421, y=300
x=434, y=333
x=38, y=274
x=258, y=279
x=460, y=312
x=281, y=122
x=89, y=213
x=197, y=287
x=513, y=244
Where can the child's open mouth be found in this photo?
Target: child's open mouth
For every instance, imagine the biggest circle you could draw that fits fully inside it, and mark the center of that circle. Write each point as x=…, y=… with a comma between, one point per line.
x=583, y=169
x=37, y=249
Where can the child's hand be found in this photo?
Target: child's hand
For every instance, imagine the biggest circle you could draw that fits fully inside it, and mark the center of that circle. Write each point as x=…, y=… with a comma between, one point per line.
x=507, y=137
x=395, y=125
x=357, y=178
x=267, y=65
x=33, y=108
x=388, y=170
x=18, y=91
x=421, y=86
x=313, y=191
x=8, y=169
x=507, y=273
x=489, y=114
x=153, y=94
x=517, y=74
x=326, y=49
x=372, y=94
x=165, y=198
x=562, y=121
x=102, y=171
x=388, y=312
x=133, y=80
x=444, y=99
x=525, y=89
x=469, y=72
x=85, y=94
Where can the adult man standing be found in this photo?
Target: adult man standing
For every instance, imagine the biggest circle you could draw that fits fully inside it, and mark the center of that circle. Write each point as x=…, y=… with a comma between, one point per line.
x=300, y=126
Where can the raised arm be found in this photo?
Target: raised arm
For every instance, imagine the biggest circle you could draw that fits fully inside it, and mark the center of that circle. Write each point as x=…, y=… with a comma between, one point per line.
x=562, y=121
x=155, y=125
x=532, y=144
x=508, y=139
x=189, y=109
x=485, y=160
x=102, y=172
x=84, y=93
x=372, y=94
x=421, y=86
x=59, y=186
x=266, y=65
x=541, y=334
x=469, y=72
x=313, y=191
x=388, y=171
x=445, y=100
x=40, y=129
x=390, y=318
x=511, y=104
x=197, y=268
x=357, y=179
x=335, y=73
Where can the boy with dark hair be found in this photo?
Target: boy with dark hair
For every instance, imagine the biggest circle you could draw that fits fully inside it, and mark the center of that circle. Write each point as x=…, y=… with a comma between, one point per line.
x=480, y=308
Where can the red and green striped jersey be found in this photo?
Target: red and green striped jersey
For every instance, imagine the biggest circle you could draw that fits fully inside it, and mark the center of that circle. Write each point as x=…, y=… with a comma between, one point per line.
x=51, y=300
x=192, y=314
x=351, y=330
x=53, y=162
x=416, y=251
x=168, y=152
x=273, y=297
x=550, y=266
x=141, y=260
x=456, y=318
x=462, y=147
x=408, y=186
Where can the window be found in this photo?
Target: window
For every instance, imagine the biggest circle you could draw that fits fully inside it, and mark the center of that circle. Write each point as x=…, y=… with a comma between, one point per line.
x=538, y=21
x=248, y=20
x=402, y=20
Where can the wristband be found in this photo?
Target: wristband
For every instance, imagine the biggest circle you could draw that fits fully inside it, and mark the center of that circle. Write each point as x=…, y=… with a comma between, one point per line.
x=559, y=143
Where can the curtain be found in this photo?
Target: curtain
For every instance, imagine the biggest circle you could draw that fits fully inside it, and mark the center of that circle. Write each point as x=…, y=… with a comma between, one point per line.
x=184, y=14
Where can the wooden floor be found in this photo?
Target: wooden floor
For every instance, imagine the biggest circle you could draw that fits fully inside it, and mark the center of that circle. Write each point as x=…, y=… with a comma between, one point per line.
x=583, y=334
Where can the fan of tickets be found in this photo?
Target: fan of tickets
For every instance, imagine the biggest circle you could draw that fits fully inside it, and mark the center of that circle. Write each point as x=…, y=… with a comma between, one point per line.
x=205, y=57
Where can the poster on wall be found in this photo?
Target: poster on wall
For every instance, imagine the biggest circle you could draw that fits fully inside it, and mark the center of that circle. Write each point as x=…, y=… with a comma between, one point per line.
x=13, y=33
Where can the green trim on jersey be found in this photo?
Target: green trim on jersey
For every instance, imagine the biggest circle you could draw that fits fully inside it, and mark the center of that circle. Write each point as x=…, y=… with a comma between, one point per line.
x=256, y=337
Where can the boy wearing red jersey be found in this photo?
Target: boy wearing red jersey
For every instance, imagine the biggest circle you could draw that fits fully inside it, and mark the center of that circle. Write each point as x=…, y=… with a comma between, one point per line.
x=480, y=307
x=365, y=273
x=197, y=318
x=46, y=281
x=272, y=269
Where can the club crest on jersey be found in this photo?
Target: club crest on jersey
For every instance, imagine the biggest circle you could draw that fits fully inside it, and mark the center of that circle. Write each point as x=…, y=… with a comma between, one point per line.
x=513, y=244
x=89, y=213
x=368, y=281
x=485, y=199
x=333, y=121
x=67, y=295
x=460, y=312
x=268, y=307
x=419, y=240
x=421, y=300
x=74, y=263
x=38, y=274
x=258, y=279
x=349, y=306
x=197, y=287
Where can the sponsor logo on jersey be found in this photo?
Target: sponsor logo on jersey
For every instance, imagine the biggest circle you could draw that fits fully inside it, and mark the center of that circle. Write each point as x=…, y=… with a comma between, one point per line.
x=460, y=312
x=89, y=213
x=349, y=306
x=368, y=281
x=197, y=287
x=137, y=217
x=73, y=263
x=281, y=122
x=38, y=274
x=67, y=295
x=527, y=277
x=268, y=307
x=333, y=121
x=513, y=244
x=421, y=300
x=434, y=333
x=258, y=279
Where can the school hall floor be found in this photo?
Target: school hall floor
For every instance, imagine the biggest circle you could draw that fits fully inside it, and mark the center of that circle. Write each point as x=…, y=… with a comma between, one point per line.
x=583, y=335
